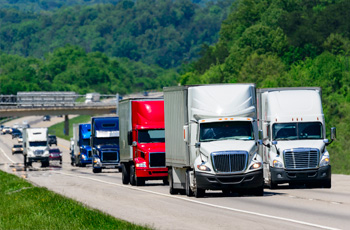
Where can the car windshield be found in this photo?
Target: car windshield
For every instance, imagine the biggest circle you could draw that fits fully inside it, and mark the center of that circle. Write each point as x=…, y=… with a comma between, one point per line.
x=37, y=143
x=297, y=130
x=17, y=146
x=151, y=136
x=85, y=141
x=230, y=130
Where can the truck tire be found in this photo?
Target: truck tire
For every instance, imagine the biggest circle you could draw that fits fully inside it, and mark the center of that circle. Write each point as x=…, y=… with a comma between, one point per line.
x=259, y=191
x=327, y=184
x=96, y=170
x=198, y=192
x=132, y=175
x=166, y=181
x=125, y=174
x=140, y=181
x=189, y=191
x=45, y=164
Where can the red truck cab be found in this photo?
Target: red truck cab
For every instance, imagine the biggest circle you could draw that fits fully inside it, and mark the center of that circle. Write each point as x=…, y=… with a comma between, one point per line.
x=142, y=141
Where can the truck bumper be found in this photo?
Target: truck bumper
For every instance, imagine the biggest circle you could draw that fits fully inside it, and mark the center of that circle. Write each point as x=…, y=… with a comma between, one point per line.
x=280, y=176
x=230, y=181
x=153, y=173
x=37, y=159
x=107, y=166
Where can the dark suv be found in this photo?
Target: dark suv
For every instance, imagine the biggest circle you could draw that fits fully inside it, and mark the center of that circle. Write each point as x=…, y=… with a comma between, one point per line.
x=52, y=140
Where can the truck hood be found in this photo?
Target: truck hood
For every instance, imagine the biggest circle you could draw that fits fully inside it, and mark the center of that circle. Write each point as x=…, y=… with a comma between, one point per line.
x=292, y=144
x=152, y=147
x=228, y=145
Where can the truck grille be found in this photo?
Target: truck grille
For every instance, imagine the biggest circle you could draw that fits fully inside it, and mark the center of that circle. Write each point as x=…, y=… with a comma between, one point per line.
x=38, y=152
x=229, y=161
x=156, y=160
x=109, y=156
x=301, y=158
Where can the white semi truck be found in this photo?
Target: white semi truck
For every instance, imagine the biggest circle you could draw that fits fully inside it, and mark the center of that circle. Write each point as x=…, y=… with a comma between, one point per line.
x=36, y=146
x=211, y=139
x=294, y=137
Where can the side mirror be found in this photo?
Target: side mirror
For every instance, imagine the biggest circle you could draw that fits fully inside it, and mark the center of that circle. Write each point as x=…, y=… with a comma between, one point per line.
x=130, y=137
x=261, y=135
x=197, y=145
x=333, y=133
x=134, y=143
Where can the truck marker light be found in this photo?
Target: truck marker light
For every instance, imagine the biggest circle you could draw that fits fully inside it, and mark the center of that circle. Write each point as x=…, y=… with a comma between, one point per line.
x=226, y=119
x=292, y=119
x=301, y=119
x=231, y=119
x=220, y=119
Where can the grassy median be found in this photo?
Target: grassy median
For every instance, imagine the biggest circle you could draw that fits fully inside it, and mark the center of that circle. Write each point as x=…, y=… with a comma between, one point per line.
x=24, y=206
x=58, y=128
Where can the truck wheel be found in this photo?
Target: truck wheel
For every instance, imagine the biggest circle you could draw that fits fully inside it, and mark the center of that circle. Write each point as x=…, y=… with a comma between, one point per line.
x=96, y=170
x=140, y=181
x=189, y=191
x=166, y=181
x=273, y=185
x=45, y=164
x=132, y=175
x=199, y=192
x=125, y=175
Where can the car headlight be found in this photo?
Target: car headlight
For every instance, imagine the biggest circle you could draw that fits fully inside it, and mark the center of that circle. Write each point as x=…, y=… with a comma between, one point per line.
x=324, y=162
x=277, y=164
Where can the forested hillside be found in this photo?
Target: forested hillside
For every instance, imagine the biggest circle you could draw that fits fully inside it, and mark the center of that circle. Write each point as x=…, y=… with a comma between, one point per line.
x=287, y=43
x=166, y=33
x=70, y=68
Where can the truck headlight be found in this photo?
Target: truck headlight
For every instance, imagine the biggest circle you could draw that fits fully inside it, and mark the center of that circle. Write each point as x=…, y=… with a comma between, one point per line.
x=83, y=156
x=141, y=165
x=277, y=164
x=97, y=160
x=324, y=162
x=256, y=165
x=203, y=167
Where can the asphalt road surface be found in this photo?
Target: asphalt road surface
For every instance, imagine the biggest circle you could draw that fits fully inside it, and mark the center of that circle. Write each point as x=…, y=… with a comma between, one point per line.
x=152, y=205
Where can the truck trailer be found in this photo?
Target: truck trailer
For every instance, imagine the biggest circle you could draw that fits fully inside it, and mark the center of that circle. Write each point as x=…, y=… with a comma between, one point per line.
x=36, y=146
x=142, y=141
x=104, y=142
x=82, y=149
x=294, y=137
x=211, y=139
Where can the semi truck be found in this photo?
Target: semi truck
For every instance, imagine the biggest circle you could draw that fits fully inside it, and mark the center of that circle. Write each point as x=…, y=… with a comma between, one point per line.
x=211, y=139
x=36, y=146
x=294, y=137
x=142, y=141
x=104, y=142
x=82, y=149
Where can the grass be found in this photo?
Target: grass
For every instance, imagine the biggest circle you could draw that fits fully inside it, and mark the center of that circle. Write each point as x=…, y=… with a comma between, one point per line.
x=58, y=128
x=24, y=206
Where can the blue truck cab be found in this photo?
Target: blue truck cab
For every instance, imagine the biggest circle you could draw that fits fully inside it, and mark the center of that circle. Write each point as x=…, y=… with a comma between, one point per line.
x=104, y=141
x=81, y=154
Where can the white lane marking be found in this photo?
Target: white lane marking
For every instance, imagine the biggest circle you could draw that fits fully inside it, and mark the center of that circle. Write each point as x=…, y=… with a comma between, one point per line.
x=6, y=155
x=206, y=204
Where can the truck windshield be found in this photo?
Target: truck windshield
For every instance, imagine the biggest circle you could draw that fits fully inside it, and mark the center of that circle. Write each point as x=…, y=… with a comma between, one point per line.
x=151, y=136
x=230, y=130
x=37, y=143
x=106, y=141
x=297, y=130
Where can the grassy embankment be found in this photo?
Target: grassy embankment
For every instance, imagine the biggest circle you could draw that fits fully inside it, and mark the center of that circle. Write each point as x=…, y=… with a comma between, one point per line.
x=24, y=206
x=58, y=128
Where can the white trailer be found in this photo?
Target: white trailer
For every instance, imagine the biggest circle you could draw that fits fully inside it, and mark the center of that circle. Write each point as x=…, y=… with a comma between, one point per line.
x=211, y=139
x=36, y=146
x=294, y=137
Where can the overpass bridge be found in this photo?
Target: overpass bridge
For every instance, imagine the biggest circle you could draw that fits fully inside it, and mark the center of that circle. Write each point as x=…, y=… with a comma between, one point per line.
x=62, y=103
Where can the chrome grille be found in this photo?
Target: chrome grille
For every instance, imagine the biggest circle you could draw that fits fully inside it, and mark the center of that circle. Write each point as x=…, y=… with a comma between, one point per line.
x=109, y=156
x=157, y=160
x=38, y=152
x=229, y=161
x=301, y=158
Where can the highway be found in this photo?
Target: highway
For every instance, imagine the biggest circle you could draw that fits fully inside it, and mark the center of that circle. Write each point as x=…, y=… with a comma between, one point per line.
x=152, y=205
